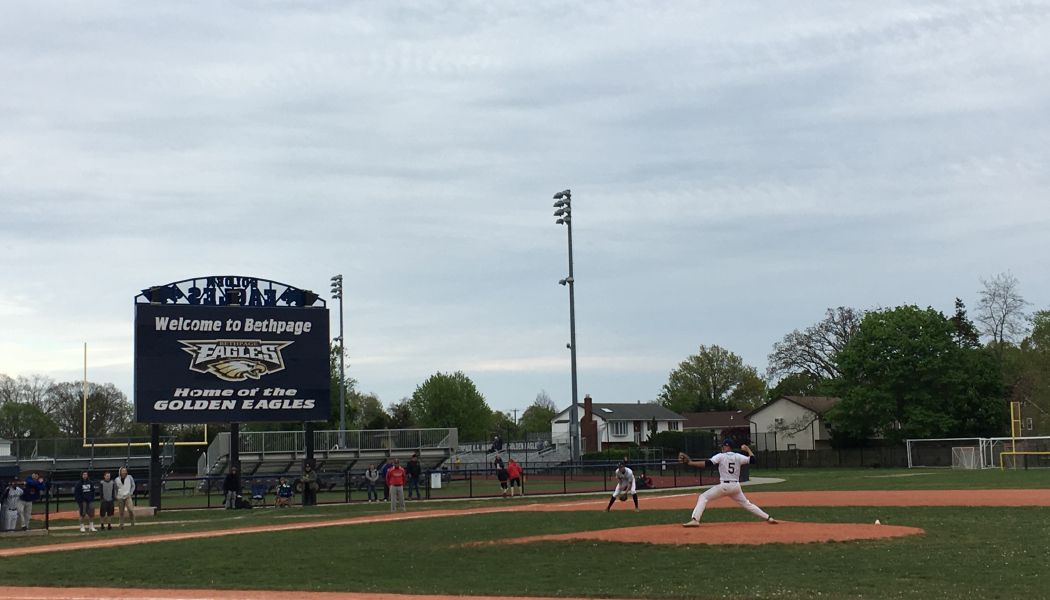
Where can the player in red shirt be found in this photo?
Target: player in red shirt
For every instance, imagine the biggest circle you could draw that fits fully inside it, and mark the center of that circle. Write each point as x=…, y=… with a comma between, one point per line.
x=514, y=471
x=395, y=478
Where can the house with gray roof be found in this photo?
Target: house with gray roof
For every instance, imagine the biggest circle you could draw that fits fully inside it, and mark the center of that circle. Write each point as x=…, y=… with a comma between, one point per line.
x=604, y=425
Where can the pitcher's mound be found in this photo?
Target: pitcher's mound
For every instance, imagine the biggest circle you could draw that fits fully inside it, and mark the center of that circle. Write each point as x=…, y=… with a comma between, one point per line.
x=734, y=533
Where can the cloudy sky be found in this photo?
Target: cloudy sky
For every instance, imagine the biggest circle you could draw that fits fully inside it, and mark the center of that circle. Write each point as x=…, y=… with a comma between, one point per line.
x=736, y=169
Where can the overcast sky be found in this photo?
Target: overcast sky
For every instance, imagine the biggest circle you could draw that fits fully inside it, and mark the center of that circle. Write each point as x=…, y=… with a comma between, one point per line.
x=736, y=169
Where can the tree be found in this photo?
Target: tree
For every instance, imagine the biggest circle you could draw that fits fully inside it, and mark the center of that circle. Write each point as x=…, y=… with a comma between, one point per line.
x=905, y=376
x=108, y=410
x=966, y=335
x=1000, y=310
x=452, y=400
x=334, y=356
x=812, y=352
x=400, y=415
x=1026, y=369
x=537, y=417
x=798, y=384
x=504, y=426
x=366, y=412
x=25, y=421
x=712, y=379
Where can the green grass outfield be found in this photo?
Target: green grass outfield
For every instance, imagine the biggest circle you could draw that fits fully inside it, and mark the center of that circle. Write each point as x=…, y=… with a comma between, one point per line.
x=966, y=552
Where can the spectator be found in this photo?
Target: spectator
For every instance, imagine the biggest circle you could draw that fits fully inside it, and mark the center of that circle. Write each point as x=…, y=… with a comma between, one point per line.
x=371, y=477
x=497, y=462
x=231, y=488
x=497, y=445
x=107, y=496
x=310, y=485
x=414, y=471
x=382, y=475
x=126, y=495
x=84, y=493
x=502, y=476
x=33, y=490
x=11, y=506
x=284, y=493
x=395, y=480
x=514, y=472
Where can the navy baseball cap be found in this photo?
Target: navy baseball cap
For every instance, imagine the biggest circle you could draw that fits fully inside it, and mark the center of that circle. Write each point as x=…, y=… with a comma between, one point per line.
x=727, y=442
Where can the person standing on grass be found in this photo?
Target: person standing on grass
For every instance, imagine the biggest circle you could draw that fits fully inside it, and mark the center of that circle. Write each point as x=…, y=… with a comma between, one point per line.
x=310, y=485
x=514, y=472
x=729, y=464
x=371, y=477
x=84, y=493
x=31, y=492
x=231, y=488
x=126, y=495
x=414, y=471
x=10, y=506
x=502, y=476
x=395, y=480
x=382, y=475
x=107, y=497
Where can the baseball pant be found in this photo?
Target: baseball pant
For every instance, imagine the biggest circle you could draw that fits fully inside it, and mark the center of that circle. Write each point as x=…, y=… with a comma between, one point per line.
x=26, y=513
x=731, y=489
x=632, y=489
x=397, y=497
x=10, y=518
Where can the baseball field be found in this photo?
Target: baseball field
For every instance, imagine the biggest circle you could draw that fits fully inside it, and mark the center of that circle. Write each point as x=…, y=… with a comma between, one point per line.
x=941, y=534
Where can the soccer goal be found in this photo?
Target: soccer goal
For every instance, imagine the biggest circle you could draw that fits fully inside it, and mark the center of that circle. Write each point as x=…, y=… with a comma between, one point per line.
x=964, y=457
x=980, y=453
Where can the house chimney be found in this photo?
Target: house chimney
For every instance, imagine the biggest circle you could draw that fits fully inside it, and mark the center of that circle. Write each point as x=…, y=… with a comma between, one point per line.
x=587, y=407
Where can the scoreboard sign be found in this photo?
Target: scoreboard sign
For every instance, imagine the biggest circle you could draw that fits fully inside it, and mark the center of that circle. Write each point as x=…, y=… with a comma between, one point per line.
x=229, y=363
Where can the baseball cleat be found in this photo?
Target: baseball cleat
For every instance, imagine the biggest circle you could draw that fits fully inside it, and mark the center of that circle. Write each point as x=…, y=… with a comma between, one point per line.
x=772, y=521
x=691, y=523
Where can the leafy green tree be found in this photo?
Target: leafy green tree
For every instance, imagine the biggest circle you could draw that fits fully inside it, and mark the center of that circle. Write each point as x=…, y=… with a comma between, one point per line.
x=452, y=400
x=400, y=415
x=24, y=421
x=799, y=384
x=712, y=379
x=503, y=425
x=108, y=411
x=904, y=375
x=537, y=417
x=1026, y=370
x=366, y=412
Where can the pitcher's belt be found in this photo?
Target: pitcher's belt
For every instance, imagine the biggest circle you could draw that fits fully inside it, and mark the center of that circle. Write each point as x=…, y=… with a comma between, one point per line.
x=724, y=481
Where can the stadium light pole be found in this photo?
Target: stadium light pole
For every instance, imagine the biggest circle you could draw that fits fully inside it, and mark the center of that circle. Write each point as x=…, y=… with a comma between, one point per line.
x=563, y=205
x=337, y=294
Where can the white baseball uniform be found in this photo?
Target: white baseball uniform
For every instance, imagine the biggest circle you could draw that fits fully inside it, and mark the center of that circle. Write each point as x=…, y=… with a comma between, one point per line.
x=624, y=481
x=729, y=464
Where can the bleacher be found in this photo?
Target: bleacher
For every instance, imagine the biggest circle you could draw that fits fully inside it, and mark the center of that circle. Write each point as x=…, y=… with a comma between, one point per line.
x=270, y=455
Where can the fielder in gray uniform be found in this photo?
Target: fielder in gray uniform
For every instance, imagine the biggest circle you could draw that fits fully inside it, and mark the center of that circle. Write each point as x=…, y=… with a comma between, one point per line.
x=729, y=464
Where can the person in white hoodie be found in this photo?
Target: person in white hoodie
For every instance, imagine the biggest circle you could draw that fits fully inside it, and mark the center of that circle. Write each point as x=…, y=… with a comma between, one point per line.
x=125, y=493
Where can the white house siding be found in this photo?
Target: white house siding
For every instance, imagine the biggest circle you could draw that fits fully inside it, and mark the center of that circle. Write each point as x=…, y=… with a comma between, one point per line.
x=764, y=422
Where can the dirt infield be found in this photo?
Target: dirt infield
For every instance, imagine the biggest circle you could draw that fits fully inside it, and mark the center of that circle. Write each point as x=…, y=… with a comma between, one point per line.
x=1040, y=497
x=718, y=534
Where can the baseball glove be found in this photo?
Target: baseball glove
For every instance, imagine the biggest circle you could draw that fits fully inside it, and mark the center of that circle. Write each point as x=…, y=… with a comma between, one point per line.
x=683, y=457
x=623, y=496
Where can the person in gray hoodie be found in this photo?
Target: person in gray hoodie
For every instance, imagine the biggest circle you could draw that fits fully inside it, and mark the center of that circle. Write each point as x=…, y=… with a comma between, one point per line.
x=107, y=489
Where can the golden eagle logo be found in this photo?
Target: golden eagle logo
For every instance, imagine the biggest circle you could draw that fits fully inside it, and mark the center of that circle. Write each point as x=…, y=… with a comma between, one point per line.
x=235, y=360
